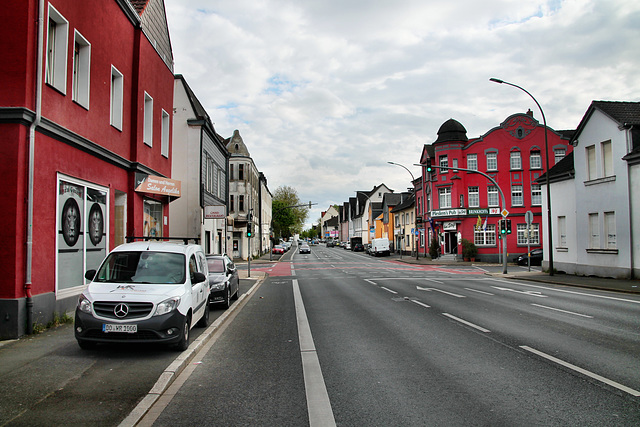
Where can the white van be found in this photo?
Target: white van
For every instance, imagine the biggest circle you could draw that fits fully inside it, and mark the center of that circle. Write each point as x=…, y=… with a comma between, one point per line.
x=145, y=292
x=380, y=246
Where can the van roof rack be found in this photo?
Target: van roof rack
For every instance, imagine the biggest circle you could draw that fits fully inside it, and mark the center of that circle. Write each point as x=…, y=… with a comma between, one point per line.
x=185, y=240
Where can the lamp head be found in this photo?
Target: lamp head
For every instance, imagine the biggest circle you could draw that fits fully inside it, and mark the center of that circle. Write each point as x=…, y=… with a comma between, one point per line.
x=493, y=79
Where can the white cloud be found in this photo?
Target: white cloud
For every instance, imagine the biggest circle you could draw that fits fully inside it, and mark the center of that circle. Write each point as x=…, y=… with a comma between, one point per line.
x=324, y=93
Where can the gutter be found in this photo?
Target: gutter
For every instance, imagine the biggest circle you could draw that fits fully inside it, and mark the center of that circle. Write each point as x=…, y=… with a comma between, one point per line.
x=31, y=167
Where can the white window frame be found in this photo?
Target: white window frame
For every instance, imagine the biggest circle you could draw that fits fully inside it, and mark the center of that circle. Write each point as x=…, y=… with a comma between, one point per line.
x=493, y=196
x=81, y=70
x=590, y=157
x=562, y=231
x=485, y=237
x=56, y=58
x=607, y=158
x=147, y=129
x=492, y=161
x=515, y=161
x=522, y=234
x=559, y=154
x=444, y=164
x=535, y=160
x=472, y=162
x=117, y=99
x=610, y=230
x=517, y=195
x=444, y=198
x=594, y=231
x=164, y=147
x=474, y=196
x=536, y=195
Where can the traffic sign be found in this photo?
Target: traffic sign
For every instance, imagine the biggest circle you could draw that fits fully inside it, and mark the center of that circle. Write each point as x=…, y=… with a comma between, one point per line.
x=528, y=217
x=504, y=213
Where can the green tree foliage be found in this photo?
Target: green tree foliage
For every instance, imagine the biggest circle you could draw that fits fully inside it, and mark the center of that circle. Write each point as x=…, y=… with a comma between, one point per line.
x=288, y=213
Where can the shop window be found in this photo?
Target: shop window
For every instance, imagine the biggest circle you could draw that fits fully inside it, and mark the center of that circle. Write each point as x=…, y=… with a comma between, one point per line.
x=81, y=67
x=57, y=42
x=153, y=214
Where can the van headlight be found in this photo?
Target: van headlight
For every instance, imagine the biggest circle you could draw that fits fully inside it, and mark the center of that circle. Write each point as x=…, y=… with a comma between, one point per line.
x=167, y=306
x=84, y=305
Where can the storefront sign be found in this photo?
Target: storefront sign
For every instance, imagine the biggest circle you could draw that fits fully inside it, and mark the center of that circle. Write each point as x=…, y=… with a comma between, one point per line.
x=465, y=212
x=215, y=212
x=449, y=226
x=157, y=185
x=449, y=212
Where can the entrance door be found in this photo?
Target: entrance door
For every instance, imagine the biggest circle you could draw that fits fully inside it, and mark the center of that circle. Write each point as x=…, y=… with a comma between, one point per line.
x=450, y=242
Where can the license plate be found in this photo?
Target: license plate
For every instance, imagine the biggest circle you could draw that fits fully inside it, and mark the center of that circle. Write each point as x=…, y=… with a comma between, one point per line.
x=129, y=329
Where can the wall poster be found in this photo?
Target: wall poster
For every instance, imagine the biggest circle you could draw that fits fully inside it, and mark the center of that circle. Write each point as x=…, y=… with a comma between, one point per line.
x=82, y=231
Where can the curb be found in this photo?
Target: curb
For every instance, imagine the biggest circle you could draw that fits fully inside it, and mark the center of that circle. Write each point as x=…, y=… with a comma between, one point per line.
x=182, y=361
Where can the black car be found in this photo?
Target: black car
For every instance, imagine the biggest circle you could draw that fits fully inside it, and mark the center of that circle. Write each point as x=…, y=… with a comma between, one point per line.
x=536, y=258
x=223, y=280
x=358, y=247
x=304, y=249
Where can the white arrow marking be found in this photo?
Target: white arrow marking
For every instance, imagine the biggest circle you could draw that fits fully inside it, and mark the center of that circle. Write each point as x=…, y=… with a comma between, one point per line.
x=439, y=290
x=530, y=293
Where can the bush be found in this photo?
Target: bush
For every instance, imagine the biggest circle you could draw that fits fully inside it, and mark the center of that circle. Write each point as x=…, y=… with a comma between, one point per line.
x=469, y=249
x=434, y=248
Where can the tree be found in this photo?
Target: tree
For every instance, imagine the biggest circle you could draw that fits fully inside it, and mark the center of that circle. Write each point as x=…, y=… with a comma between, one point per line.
x=288, y=213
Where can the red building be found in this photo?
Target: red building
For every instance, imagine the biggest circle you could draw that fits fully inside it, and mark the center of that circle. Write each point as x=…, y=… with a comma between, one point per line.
x=458, y=204
x=85, y=130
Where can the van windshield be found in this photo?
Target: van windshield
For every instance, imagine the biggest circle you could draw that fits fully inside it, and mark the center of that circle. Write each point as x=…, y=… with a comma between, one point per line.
x=143, y=267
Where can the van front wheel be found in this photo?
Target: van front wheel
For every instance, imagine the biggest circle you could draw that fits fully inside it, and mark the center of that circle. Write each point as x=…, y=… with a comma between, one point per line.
x=183, y=344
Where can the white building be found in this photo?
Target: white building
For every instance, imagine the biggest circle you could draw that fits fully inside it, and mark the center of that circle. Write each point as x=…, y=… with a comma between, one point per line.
x=594, y=201
x=200, y=162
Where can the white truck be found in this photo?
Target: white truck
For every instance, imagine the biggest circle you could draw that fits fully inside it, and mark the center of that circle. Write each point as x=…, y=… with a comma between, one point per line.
x=380, y=246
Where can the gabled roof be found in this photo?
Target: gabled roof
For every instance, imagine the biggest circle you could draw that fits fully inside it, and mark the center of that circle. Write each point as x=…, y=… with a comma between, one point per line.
x=625, y=114
x=407, y=203
x=153, y=18
x=561, y=171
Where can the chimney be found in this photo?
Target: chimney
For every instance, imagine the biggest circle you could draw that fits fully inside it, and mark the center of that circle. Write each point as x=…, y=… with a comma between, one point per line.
x=530, y=113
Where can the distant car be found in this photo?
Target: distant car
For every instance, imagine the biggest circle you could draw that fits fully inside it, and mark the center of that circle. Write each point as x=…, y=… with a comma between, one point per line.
x=330, y=244
x=304, y=249
x=347, y=246
x=286, y=246
x=277, y=249
x=358, y=247
x=536, y=258
x=223, y=280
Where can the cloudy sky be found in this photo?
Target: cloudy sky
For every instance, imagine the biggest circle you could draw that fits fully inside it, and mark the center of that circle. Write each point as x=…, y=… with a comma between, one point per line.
x=325, y=92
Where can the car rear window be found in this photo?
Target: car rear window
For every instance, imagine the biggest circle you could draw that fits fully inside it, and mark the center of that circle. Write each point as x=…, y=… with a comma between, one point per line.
x=143, y=267
x=215, y=265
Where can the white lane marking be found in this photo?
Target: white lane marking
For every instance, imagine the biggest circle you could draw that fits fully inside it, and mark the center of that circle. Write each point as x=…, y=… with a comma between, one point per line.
x=420, y=303
x=370, y=281
x=388, y=290
x=318, y=404
x=480, y=328
x=567, y=291
x=530, y=293
x=439, y=290
x=583, y=371
x=563, y=311
x=480, y=292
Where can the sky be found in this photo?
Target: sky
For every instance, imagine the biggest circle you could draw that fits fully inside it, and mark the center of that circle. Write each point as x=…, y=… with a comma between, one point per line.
x=324, y=93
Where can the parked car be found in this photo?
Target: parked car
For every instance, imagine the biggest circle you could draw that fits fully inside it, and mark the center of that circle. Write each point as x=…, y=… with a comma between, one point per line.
x=536, y=258
x=144, y=292
x=347, y=246
x=380, y=247
x=223, y=278
x=304, y=249
x=286, y=246
x=277, y=249
x=358, y=247
x=330, y=244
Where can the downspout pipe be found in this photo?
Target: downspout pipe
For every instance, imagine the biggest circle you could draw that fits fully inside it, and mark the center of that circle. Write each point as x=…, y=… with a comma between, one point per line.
x=31, y=166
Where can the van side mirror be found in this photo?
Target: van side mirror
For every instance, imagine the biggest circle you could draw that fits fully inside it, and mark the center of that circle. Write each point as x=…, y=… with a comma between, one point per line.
x=198, y=277
x=90, y=274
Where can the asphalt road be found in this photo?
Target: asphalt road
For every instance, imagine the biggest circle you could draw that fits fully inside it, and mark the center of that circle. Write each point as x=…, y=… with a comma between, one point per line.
x=395, y=344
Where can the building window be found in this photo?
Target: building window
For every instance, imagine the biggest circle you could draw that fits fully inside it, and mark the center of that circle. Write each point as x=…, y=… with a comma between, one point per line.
x=444, y=197
x=474, y=197
x=472, y=162
x=536, y=194
x=231, y=177
x=454, y=164
x=152, y=226
x=117, y=82
x=241, y=203
x=559, y=154
x=241, y=172
x=610, y=229
x=562, y=231
x=57, y=42
x=607, y=159
x=591, y=163
x=535, y=160
x=165, y=134
x=516, y=160
x=232, y=206
x=147, y=131
x=492, y=161
x=444, y=163
x=81, y=67
x=594, y=231
x=533, y=233
x=485, y=236
x=492, y=196
x=516, y=195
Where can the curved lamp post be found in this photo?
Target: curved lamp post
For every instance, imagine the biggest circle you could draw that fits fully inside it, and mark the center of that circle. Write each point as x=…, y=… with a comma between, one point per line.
x=415, y=201
x=546, y=148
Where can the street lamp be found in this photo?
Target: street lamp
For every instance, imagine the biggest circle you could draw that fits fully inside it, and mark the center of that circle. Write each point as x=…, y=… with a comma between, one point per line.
x=415, y=201
x=546, y=148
